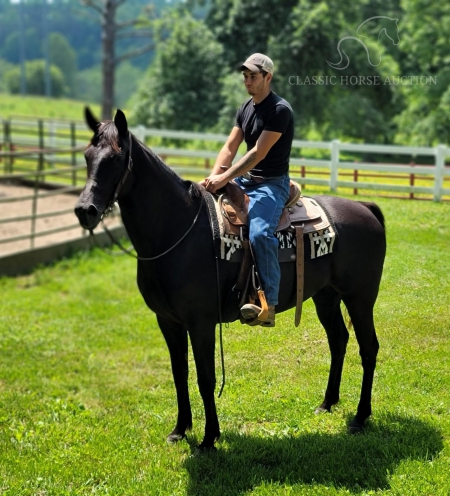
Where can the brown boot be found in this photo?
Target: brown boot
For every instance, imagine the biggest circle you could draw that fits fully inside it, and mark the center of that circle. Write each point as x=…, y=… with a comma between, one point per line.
x=249, y=315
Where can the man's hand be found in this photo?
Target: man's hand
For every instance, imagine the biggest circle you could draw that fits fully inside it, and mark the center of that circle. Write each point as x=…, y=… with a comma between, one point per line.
x=214, y=182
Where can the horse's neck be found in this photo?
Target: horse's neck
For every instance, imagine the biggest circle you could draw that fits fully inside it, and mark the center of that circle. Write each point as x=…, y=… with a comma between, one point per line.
x=375, y=26
x=157, y=208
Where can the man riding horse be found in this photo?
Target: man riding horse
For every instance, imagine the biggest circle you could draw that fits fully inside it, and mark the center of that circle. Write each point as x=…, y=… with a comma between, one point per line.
x=266, y=123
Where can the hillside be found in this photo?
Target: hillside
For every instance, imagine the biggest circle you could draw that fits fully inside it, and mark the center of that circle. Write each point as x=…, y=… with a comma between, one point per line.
x=47, y=108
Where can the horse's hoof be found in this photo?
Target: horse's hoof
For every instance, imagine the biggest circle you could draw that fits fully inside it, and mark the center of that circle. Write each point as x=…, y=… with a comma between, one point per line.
x=175, y=438
x=202, y=449
x=355, y=427
x=321, y=409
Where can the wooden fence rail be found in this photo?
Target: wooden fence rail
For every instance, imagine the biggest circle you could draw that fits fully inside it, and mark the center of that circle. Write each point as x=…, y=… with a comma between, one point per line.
x=25, y=134
x=49, y=154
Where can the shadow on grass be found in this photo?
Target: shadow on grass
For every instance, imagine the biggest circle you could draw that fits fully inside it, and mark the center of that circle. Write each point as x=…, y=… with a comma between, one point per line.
x=356, y=463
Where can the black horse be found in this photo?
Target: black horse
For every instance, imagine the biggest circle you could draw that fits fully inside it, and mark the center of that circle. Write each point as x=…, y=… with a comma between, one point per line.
x=167, y=221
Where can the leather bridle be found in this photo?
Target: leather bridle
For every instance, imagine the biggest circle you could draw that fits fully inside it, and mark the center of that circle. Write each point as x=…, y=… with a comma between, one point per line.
x=110, y=205
x=124, y=177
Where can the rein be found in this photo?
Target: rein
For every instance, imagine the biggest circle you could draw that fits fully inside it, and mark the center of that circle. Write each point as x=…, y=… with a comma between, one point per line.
x=114, y=241
x=137, y=257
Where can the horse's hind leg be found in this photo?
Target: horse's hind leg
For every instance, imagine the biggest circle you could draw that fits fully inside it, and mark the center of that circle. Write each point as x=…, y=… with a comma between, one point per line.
x=327, y=302
x=360, y=309
x=177, y=342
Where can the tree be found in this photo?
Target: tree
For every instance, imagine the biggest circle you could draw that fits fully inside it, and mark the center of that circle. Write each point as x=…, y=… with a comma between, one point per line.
x=182, y=89
x=5, y=67
x=233, y=94
x=111, y=32
x=300, y=36
x=243, y=27
x=425, y=119
x=33, y=43
x=63, y=56
x=342, y=109
x=89, y=85
x=35, y=75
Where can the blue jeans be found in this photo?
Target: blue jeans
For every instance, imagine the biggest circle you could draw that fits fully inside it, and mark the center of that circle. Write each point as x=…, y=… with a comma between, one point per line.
x=267, y=200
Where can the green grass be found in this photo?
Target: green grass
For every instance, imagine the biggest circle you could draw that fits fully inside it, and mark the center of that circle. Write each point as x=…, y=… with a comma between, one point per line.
x=87, y=399
x=44, y=108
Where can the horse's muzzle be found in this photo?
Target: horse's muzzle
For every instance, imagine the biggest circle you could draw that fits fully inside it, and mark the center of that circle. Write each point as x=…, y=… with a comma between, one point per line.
x=88, y=215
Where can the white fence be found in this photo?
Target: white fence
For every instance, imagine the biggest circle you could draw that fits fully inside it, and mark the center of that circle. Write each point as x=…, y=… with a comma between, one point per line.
x=53, y=135
x=333, y=165
x=49, y=154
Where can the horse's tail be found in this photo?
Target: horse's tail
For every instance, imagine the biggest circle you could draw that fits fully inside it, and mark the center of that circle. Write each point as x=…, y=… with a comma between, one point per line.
x=376, y=210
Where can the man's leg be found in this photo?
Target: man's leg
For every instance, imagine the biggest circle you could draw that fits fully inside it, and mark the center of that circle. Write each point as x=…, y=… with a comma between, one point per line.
x=266, y=204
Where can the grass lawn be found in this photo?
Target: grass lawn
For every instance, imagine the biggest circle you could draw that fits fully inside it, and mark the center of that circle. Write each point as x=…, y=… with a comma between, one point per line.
x=87, y=399
x=45, y=108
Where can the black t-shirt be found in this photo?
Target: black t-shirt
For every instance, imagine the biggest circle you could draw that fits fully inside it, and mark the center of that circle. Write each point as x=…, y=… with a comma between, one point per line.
x=272, y=114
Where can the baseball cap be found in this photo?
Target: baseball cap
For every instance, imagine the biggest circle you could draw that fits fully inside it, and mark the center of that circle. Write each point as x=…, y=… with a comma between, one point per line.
x=258, y=61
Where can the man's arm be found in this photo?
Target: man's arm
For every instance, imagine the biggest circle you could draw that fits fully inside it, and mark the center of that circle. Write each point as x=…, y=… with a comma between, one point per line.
x=228, y=151
x=245, y=164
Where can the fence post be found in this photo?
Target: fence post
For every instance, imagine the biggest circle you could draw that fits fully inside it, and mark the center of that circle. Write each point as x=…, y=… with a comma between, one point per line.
x=73, y=143
x=36, y=182
x=41, y=144
x=439, y=172
x=334, y=165
x=7, y=141
x=412, y=180
x=51, y=139
x=355, y=179
x=140, y=133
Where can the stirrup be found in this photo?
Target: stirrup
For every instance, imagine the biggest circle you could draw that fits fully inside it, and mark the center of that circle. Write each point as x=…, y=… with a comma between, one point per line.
x=249, y=316
x=254, y=315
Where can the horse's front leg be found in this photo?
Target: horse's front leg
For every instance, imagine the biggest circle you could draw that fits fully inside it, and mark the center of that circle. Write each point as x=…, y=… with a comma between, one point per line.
x=203, y=343
x=177, y=342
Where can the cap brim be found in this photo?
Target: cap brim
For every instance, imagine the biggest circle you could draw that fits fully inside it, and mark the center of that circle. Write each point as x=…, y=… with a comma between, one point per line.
x=251, y=67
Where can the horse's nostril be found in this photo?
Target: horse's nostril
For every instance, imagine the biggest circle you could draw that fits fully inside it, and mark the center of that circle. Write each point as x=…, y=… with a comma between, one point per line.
x=92, y=211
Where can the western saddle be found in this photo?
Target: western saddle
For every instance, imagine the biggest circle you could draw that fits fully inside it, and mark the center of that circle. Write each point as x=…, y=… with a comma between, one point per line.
x=300, y=214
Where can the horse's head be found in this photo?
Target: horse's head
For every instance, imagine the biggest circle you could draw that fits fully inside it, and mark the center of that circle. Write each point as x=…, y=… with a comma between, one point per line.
x=380, y=25
x=391, y=31
x=106, y=157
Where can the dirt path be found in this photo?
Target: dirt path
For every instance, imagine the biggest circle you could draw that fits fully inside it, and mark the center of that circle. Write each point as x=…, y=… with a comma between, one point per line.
x=24, y=207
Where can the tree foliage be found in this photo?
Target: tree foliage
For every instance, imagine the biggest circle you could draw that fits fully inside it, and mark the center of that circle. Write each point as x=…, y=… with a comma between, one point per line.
x=63, y=56
x=35, y=77
x=186, y=87
x=233, y=93
x=182, y=87
x=340, y=108
x=244, y=27
x=425, y=118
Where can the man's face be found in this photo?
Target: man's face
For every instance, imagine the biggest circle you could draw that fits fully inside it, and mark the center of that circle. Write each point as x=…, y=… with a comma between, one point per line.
x=255, y=82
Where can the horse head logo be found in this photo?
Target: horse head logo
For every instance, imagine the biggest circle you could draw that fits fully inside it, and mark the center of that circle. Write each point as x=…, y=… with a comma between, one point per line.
x=387, y=26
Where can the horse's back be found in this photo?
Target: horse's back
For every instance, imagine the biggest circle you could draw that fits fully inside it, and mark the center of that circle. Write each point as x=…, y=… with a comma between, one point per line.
x=358, y=260
x=345, y=213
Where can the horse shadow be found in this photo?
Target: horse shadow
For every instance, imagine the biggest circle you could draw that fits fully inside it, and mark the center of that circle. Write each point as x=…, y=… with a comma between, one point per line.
x=356, y=463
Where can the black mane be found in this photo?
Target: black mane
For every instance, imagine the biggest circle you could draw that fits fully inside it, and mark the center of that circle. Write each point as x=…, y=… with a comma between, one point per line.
x=193, y=189
x=107, y=135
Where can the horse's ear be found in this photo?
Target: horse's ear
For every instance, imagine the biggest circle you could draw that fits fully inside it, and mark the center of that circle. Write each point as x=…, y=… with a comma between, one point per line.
x=121, y=123
x=91, y=121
